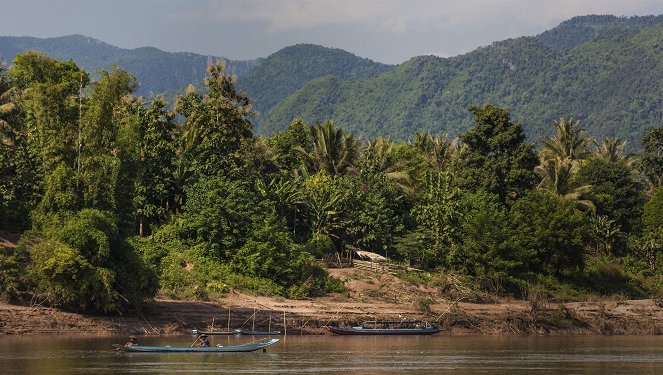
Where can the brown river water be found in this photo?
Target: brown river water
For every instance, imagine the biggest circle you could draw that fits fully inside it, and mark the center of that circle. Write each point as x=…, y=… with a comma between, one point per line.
x=438, y=354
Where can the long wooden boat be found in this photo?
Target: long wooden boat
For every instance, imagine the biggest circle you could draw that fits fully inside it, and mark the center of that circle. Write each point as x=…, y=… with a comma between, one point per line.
x=387, y=328
x=212, y=349
x=257, y=333
x=213, y=333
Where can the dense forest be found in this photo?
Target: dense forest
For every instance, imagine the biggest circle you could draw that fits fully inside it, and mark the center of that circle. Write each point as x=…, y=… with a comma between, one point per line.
x=602, y=70
x=116, y=197
x=157, y=71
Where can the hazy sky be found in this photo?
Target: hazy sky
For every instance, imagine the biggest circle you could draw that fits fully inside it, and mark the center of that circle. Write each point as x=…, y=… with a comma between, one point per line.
x=389, y=31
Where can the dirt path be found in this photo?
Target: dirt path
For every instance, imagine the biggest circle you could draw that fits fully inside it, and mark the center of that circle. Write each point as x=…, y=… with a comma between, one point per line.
x=370, y=296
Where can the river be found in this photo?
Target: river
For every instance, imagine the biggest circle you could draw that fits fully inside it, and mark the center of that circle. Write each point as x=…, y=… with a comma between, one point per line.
x=438, y=354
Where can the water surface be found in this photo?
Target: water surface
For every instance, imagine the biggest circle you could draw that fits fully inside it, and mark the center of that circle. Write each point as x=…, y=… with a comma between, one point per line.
x=342, y=354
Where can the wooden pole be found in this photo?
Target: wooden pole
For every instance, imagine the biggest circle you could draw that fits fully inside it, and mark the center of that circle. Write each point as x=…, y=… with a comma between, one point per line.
x=285, y=328
x=254, y=320
x=212, y=324
x=228, y=319
x=270, y=322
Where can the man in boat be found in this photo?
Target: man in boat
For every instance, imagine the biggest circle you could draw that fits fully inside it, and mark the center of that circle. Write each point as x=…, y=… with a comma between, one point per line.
x=132, y=341
x=203, y=342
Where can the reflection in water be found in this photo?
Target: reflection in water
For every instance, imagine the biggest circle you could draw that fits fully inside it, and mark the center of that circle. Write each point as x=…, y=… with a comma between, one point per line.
x=336, y=354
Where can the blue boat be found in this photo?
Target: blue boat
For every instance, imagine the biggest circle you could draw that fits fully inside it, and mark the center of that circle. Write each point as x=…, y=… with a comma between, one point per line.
x=411, y=327
x=212, y=349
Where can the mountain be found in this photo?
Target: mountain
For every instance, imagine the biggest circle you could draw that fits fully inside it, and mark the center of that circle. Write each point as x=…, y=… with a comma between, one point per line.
x=286, y=71
x=156, y=70
x=606, y=71
x=603, y=70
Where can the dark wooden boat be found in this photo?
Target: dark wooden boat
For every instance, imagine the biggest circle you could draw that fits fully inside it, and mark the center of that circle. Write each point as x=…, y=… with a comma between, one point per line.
x=213, y=333
x=212, y=349
x=412, y=327
x=257, y=333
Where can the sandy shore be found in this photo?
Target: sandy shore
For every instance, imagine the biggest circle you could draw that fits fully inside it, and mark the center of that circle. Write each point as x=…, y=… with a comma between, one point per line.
x=370, y=296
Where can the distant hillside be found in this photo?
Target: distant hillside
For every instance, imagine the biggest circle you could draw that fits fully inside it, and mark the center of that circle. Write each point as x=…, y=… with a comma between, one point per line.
x=156, y=70
x=287, y=70
x=603, y=70
x=606, y=71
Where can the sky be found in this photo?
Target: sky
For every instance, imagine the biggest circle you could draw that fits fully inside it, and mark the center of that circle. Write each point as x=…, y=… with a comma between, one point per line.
x=387, y=31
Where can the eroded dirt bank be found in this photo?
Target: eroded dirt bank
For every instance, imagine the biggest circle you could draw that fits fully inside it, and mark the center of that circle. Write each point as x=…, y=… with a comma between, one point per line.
x=370, y=296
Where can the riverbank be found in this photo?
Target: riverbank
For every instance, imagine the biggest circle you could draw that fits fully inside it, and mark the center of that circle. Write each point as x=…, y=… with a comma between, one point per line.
x=370, y=296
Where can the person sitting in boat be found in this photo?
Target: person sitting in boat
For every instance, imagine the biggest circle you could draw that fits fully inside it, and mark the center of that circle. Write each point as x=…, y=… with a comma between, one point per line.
x=132, y=341
x=203, y=342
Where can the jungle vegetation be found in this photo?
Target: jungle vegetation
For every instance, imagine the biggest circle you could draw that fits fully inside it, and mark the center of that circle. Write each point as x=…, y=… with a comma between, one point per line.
x=117, y=197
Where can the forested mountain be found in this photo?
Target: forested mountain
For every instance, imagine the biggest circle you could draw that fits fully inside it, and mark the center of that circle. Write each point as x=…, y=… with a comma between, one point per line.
x=605, y=71
x=157, y=71
x=289, y=69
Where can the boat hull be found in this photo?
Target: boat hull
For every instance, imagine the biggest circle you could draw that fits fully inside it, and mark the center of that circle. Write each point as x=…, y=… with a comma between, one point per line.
x=211, y=349
x=383, y=331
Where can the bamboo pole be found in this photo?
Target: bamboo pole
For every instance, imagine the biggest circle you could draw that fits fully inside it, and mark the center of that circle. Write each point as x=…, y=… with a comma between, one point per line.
x=285, y=328
x=254, y=320
x=270, y=322
x=228, y=319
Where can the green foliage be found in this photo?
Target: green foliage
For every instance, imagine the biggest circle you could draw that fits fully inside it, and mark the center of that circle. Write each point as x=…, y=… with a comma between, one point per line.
x=653, y=212
x=50, y=90
x=217, y=123
x=287, y=70
x=498, y=159
x=484, y=247
x=82, y=264
x=158, y=71
x=617, y=194
x=270, y=253
x=600, y=75
x=550, y=232
x=651, y=159
x=220, y=213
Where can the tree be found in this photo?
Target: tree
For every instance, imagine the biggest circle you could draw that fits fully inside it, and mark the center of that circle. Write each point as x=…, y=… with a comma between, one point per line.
x=498, y=159
x=612, y=149
x=219, y=214
x=569, y=143
x=20, y=164
x=551, y=231
x=101, y=168
x=285, y=144
x=332, y=150
x=441, y=153
x=51, y=92
x=651, y=158
x=559, y=161
x=439, y=213
x=379, y=157
x=216, y=124
x=324, y=201
x=484, y=248
x=155, y=184
x=616, y=192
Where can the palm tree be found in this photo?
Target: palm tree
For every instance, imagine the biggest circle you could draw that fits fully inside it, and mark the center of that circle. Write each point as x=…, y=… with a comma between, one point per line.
x=7, y=107
x=559, y=160
x=612, y=149
x=379, y=156
x=333, y=150
x=570, y=141
x=441, y=153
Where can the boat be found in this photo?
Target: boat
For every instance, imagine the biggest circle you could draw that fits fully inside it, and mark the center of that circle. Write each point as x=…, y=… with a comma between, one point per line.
x=256, y=333
x=211, y=349
x=213, y=333
x=377, y=327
